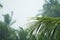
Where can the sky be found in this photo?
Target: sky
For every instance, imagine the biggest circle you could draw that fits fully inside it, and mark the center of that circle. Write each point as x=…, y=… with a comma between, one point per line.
x=22, y=10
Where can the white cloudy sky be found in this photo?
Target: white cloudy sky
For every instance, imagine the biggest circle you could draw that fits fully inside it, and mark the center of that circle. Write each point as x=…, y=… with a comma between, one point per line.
x=22, y=9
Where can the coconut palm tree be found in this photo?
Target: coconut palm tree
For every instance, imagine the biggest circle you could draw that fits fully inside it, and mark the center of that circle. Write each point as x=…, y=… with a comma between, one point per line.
x=47, y=27
x=6, y=33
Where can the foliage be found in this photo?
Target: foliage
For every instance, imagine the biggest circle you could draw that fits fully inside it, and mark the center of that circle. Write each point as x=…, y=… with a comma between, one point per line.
x=47, y=28
x=8, y=19
x=1, y=5
x=22, y=34
x=6, y=33
x=51, y=8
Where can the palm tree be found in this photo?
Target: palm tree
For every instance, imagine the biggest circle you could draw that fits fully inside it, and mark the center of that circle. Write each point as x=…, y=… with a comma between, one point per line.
x=8, y=19
x=6, y=33
x=47, y=27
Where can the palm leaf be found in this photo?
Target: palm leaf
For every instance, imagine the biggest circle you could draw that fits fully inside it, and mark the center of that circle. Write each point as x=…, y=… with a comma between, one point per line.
x=45, y=26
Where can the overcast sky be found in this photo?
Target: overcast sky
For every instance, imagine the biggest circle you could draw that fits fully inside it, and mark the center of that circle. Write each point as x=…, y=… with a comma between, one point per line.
x=22, y=9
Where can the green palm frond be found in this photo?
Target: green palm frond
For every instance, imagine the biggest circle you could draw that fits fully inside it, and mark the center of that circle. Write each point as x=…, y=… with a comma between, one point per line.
x=46, y=27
